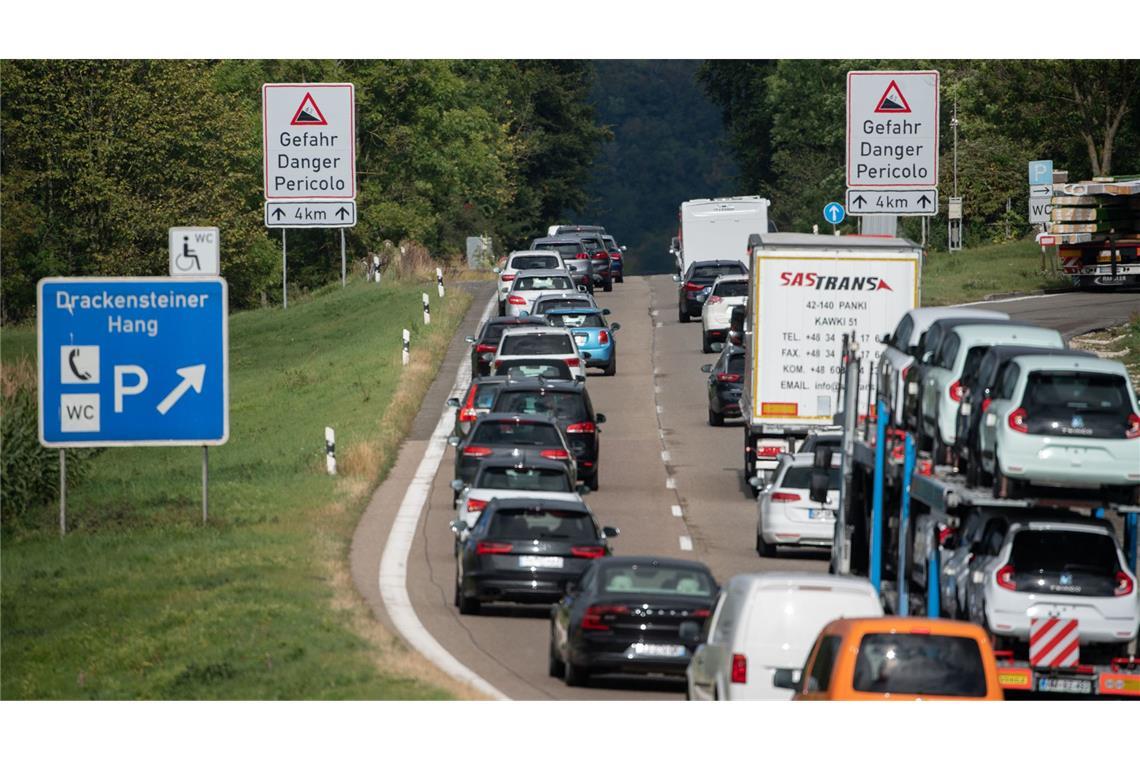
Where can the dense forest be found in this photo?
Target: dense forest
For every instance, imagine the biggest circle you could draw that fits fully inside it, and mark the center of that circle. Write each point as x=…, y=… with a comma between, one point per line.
x=101, y=157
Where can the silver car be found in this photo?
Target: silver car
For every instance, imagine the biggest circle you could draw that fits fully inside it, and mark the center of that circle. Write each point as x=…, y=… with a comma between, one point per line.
x=522, y=261
x=529, y=285
x=513, y=477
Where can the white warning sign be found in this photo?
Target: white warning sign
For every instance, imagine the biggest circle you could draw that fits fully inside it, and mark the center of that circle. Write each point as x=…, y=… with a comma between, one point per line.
x=892, y=129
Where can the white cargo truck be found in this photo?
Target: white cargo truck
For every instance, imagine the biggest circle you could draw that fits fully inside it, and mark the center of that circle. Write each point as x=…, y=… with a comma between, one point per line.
x=718, y=228
x=806, y=293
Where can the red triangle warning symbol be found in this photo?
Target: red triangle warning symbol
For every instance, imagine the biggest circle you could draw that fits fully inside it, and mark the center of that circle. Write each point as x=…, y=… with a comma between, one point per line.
x=308, y=115
x=892, y=100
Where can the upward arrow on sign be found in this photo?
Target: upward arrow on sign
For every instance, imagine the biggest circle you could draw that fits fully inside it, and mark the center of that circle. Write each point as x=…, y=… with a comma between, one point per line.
x=342, y=212
x=859, y=200
x=924, y=201
x=278, y=213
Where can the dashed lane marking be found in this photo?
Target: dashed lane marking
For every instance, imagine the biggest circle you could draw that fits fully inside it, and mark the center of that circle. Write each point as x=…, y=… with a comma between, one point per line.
x=677, y=510
x=665, y=456
x=670, y=484
x=686, y=543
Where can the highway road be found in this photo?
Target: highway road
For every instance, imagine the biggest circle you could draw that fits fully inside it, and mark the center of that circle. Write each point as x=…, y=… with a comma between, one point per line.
x=671, y=483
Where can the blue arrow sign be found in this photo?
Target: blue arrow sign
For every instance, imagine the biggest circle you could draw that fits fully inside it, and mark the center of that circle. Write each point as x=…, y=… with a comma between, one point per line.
x=834, y=213
x=133, y=361
x=1041, y=172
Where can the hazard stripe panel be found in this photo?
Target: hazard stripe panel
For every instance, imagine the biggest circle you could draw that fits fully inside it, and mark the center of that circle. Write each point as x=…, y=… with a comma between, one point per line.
x=1054, y=642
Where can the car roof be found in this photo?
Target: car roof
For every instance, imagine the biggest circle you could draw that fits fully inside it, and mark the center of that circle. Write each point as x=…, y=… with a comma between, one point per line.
x=1069, y=522
x=1081, y=363
x=524, y=459
x=530, y=252
x=540, y=273
x=527, y=320
x=513, y=417
x=1005, y=331
x=918, y=625
x=1003, y=351
x=730, y=278
x=573, y=506
x=577, y=310
x=791, y=579
x=808, y=460
x=950, y=322
x=544, y=384
x=535, y=330
x=717, y=262
x=928, y=315
x=733, y=350
x=645, y=559
x=488, y=380
x=556, y=239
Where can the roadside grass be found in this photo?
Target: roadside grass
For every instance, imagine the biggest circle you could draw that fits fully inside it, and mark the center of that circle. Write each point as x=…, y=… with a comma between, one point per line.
x=141, y=600
x=974, y=273
x=1121, y=343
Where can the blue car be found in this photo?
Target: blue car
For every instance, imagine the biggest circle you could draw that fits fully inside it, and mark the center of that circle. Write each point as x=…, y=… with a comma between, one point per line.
x=593, y=336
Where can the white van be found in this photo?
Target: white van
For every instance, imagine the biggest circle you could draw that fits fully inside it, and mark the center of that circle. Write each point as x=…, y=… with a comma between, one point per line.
x=768, y=621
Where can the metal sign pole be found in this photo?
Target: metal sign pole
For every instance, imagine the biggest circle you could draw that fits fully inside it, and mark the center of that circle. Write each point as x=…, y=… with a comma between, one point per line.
x=284, y=269
x=903, y=607
x=62, y=493
x=343, y=267
x=881, y=415
x=205, y=483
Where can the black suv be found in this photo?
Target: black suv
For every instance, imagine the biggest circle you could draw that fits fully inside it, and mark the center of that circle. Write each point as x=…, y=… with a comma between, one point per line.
x=487, y=341
x=569, y=405
x=697, y=284
x=726, y=381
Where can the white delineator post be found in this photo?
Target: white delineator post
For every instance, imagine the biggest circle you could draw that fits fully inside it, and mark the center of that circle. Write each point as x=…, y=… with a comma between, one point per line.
x=439, y=281
x=376, y=268
x=407, y=347
x=330, y=450
x=427, y=310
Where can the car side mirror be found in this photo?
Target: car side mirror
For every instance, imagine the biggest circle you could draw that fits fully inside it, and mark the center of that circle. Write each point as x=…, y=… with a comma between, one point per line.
x=623, y=248
x=706, y=368
x=690, y=633
x=735, y=338
x=587, y=355
x=605, y=312
x=615, y=327
x=457, y=485
x=756, y=481
x=599, y=418
x=496, y=270
x=716, y=346
x=926, y=357
x=609, y=532
x=453, y=403
x=676, y=278
x=583, y=489
x=457, y=526
x=582, y=289
x=784, y=678
x=452, y=440
x=470, y=338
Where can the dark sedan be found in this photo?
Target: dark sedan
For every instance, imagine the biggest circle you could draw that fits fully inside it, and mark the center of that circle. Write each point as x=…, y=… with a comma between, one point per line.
x=526, y=551
x=484, y=346
x=502, y=434
x=625, y=614
x=697, y=284
x=726, y=381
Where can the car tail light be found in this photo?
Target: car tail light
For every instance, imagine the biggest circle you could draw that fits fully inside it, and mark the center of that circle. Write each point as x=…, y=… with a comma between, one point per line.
x=1133, y=426
x=507, y=277
x=770, y=452
x=592, y=620
x=467, y=413
x=600, y=255
x=615, y=256
x=714, y=299
x=739, y=668
x=1018, y=420
x=476, y=505
x=728, y=377
x=572, y=362
x=785, y=496
x=493, y=547
x=476, y=451
x=702, y=613
x=603, y=338
x=516, y=300
x=1124, y=584
x=562, y=455
x=1004, y=577
x=582, y=256
x=588, y=552
x=694, y=286
x=956, y=391
x=905, y=371
x=582, y=427
x=986, y=404
x=485, y=348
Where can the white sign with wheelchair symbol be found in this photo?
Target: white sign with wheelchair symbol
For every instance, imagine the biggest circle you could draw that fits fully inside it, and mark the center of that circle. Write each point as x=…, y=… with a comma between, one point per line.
x=194, y=252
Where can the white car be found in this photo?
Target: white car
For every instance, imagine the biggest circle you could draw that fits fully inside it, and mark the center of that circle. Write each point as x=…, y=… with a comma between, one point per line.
x=765, y=622
x=542, y=343
x=901, y=347
x=785, y=513
x=727, y=291
x=1063, y=568
x=521, y=261
x=513, y=478
x=528, y=286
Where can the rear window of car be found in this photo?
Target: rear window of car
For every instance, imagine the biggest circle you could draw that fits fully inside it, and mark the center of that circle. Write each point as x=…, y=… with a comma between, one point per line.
x=536, y=262
x=576, y=320
x=510, y=433
x=563, y=249
x=731, y=289
x=659, y=579
x=1063, y=551
x=973, y=358
x=485, y=394
x=524, y=479
x=549, y=343
x=800, y=477
x=540, y=524
x=553, y=370
x=553, y=304
x=543, y=283
x=1075, y=392
x=593, y=244
x=560, y=405
x=712, y=272
x=907, y=663
x=492, y=332
x=736, y=364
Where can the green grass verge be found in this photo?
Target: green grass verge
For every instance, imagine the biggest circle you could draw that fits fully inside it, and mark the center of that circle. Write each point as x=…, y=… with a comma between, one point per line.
x=142, y=601
x=974, y=273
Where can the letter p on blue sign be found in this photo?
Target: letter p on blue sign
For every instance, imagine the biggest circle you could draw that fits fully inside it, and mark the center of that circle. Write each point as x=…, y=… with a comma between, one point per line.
x=1041, y=172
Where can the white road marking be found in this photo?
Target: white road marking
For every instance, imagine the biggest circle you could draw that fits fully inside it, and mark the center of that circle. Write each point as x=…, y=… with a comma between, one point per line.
x=686, y=544
x=670, y=484
x=1011, y=300
x=655, y=312
x=657, y=389
x=665, y=456
x=676, y=510
x=659, y=324
x=394, y=562
x=660, y=409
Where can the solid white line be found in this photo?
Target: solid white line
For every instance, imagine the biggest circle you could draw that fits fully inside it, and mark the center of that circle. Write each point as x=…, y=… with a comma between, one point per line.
x=676, y=510
x=666, y=456
x=1011, y=300
x=660, y=409
x=670, y=484
x=655, y=312
x=659, y=324
x=686, y=544
x=394, y=562
x=657, y=388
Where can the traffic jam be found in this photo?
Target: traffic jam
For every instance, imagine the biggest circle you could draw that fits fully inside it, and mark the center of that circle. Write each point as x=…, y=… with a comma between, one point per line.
x=973, y=481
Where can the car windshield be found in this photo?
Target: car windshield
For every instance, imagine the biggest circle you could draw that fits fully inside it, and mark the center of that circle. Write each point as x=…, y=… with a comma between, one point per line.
x=656, y=579
x=1075, y=392
x=1063, y=551
x=538, y=343
x=711, y=272
x=551, y=304
x=540, y=524
x=511, y=433
x=535, y=262
x=564, y=249
x=973, y=358
x=560, y=405
x=906, y=663
x=576, y=320
x=553, y=370
x=800, y=477
x=731, y=289
x=524, y=479
x=549, y=282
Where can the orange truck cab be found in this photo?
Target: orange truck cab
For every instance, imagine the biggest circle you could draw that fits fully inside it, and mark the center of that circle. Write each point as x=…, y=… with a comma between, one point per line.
x=897, y=658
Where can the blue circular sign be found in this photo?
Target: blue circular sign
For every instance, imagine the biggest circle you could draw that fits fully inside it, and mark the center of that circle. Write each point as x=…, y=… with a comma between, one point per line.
x=834, y=213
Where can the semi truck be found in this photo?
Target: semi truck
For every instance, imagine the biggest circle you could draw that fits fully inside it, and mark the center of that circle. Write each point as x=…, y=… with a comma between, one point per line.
x=807, y=292
x=719, y=228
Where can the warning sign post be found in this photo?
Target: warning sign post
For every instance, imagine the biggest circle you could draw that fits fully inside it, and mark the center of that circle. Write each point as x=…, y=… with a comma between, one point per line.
x=892, y=129
x=309, y=140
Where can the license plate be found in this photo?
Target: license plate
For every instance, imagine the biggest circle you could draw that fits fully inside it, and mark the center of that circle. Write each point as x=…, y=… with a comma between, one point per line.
x=657, y=650
x=1061, y=685
x=580, y=340
x=820, y=514
x=538, y=561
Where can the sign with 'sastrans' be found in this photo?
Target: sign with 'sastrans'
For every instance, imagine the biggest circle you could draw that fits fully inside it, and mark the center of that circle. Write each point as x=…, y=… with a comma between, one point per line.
x=309, y=141
x=892, y=129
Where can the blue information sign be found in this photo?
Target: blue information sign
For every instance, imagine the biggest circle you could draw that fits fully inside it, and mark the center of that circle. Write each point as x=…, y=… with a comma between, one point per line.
x=1041, y=172
x=834, y=213
x=133, y=361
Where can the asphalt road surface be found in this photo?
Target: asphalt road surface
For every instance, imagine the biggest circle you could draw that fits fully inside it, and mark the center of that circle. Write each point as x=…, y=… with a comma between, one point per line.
x=671, y=483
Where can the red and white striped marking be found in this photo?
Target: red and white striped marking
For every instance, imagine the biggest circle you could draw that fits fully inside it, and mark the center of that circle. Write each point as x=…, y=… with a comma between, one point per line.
x=1054, y=642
